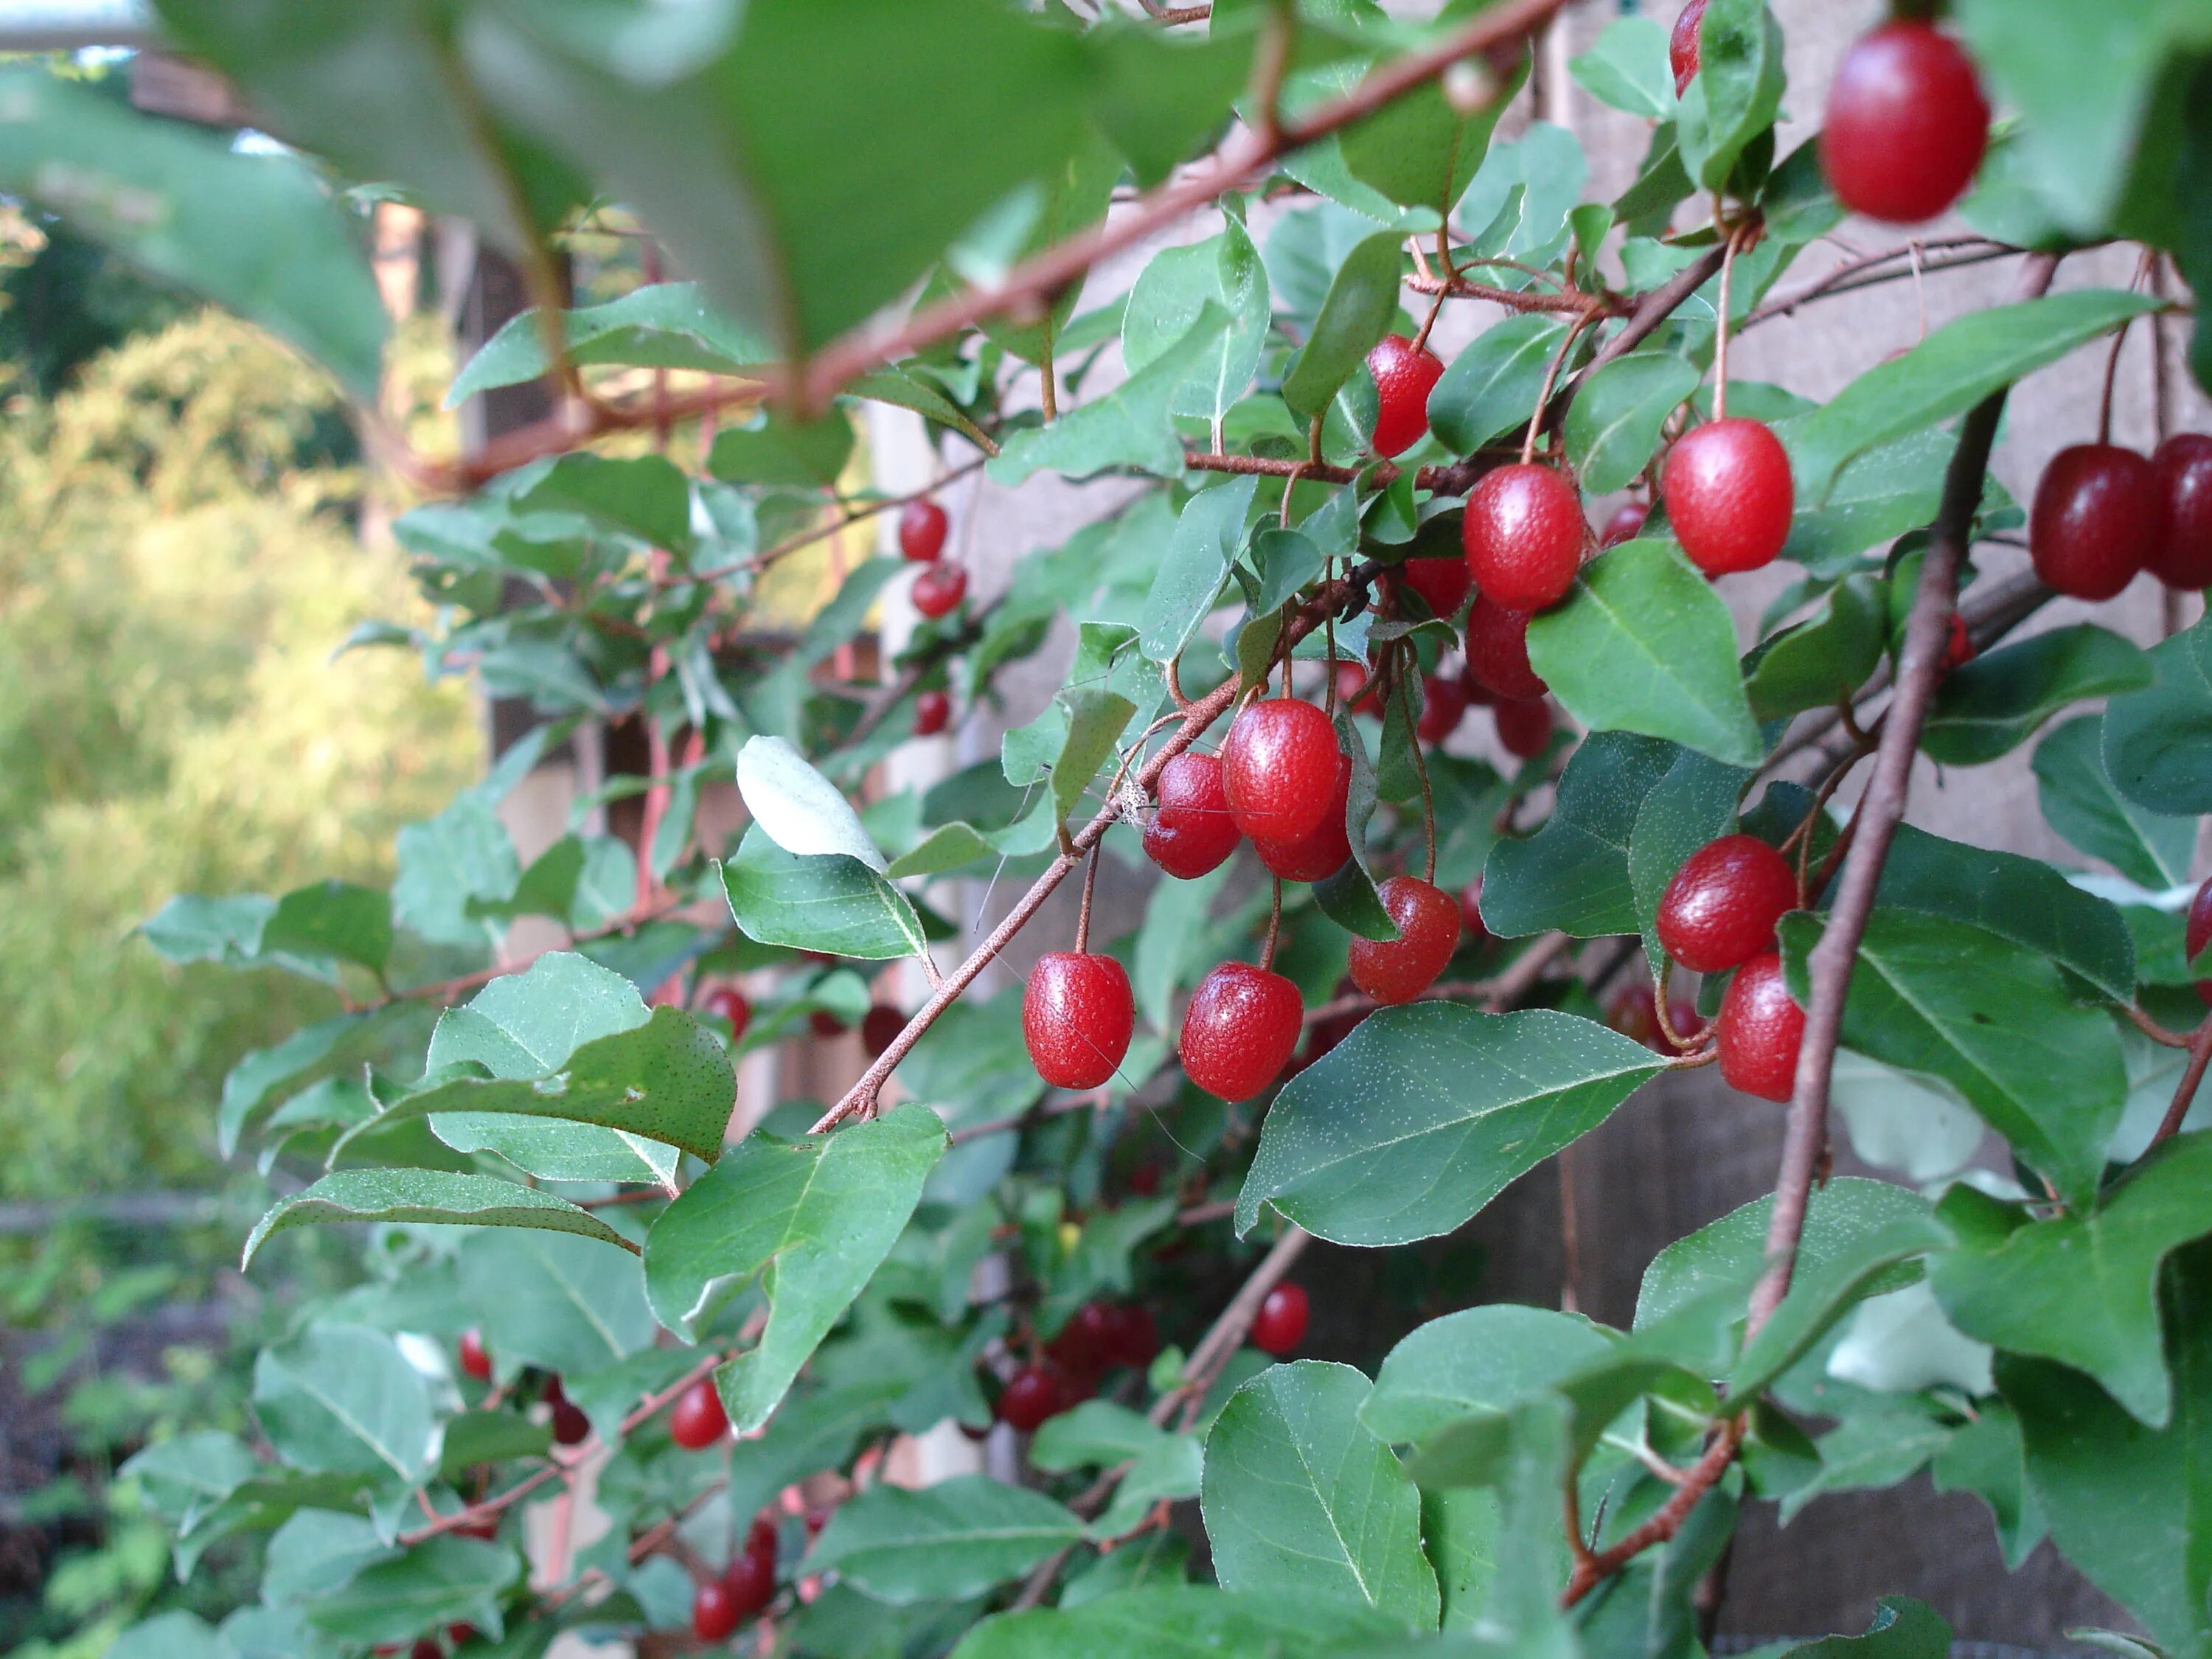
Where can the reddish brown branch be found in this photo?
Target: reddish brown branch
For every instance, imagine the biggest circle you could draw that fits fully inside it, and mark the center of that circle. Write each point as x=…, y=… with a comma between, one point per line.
x=2200, y=1052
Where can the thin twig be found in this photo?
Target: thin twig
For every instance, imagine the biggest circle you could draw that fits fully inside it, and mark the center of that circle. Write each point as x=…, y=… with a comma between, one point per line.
x=2200, y=1051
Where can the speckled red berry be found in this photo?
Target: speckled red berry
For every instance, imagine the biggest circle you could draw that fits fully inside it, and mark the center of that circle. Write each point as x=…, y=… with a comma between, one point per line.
x=729, y=1003
x=1404, y=375
x=1277, y=767
x=1077, y=1015
x=879, y=1028
x=715, y=1615
x=1759, y=1031
x=933, y=713
x=1906, y=123
x=1033, y=1394
x=1728, y=495
x=1523, y=727
x=2097, y=514
x=697, y=1420
x=921, y=532
x=1443, y=704
x=2183, y=556
x=1682, y=45
x=939, y=588
x=1399, y=970
x=1497, y=651
x=2198, y=932
x=1240, y=1029
x=1190, y=832
x=1281, y=1323
x=1322, y=854
x=1720, y=909
x=1523, y=532
x=1442, y=584
x=1626, y=525
x=475, y=1358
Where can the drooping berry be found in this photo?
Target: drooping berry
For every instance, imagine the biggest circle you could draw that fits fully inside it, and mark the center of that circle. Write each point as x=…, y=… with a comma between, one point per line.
x=1281, y=1323
x=1626, y=525
x=879, y=1028
x=1523, y=727
x=1728, y=495
x=1523, y=532
x=1443, y=704
x=1633, y=1012
x=475, y=1358
x=1470, y=911
x=571, y=1427
x=750, y=1579
x=730, y=1004
x=2198, y=932
x=1322, y=854
x=1906, y=123
x=714, y=1615
x=697, y=1420
x=1405, y=374
x=933, y=713
x=1759, y=1031
x=1682, y=45
x=1031, y=1395
x=825, y=1024
x=921, y=532
x=1720, y=909
x=1239, y=1031
x=2097, y=514
x=1497, y=651
x=1442, y=584
x=1277, y=769
x=2183, y=557
x=939, y=588
x=1191, y=831
x=1959, y=648
x=1399, y=970
x=1077, y=1015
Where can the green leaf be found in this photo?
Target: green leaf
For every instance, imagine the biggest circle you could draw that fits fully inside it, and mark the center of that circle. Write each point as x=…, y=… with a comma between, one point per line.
x=2158, y=743
x=446, y=1580
x=1947, y=373
x=1348, y=897
x=1878, y=496
x=1613, y=424
x=1156, y=1466
x=319, y=1550
x=1363, y=298
x=185, y=1479
x=1931, y=994
x=811, y=1218
x=173, y=1635
x=1299, y=1495
x=1825, y=658
x=490, y=1435
x=1171, y=943
x=1737, y=92
x=463, y=854
x=955, y=1539
x=343, y=1399
x=1209, y=533
x=1991, y=705
x=799, y=809
x=1627, y=68
x=661, y=325
x=2150, y=849
x=1822, y=1292
x=1487, y=1358
x=1987, y=1457
x=815, y=1430
x=1172, y=292
x=1490, y=387
x=1127, y=427
x=1573, y=873
x=432, y=1195
x=1096, y=720
x=826, y=903
x=1425, y=1112
x=795, y=454
x=548, y=1299
x=2081, y=1289
x=1645, y=644
x=640, y=496
x=1186, y=1622
x=1901, y=1628
x=1418, y=150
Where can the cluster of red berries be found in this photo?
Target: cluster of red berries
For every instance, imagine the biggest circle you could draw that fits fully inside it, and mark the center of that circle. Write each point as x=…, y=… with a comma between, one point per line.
x=939, y=587
x=746, y=1587
x=1098, y=1337
x=1718, y=915
x=571, y=1427
x=2104, y=512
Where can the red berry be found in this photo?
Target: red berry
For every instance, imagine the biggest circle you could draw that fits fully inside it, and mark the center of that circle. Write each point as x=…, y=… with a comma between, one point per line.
x=1443, y=704
x=1906, y=123
x=1191, y=832
x=1759, y=1031
x=428, y=1648
x=1523, y=727
x=1720, y=909
x=730, y=1003
x=825, y=1024
x=1399, y=970
x=1317, y=856
x=1281, y=1325
x=760, y=1541
x=1135, y=1337
x=1077, y=1015
x=697, y=1420
x=1728, y=495
x=1626, y=525
x=1442, y=584
x=879, y=1028
x=1523, y=532
x=1959, y=649
x=1240, y=1029
x=476, y=1358
x=933, y=713
x=921, y=532
x=939, y=588
x=750, y=1582
x=1497, y=651
x=2183, y=556
x=1032, y=1395
x=570, y=1427
x=2098, y=513
x=714, y=1613
x=2198, y=932
x=1470, y=911
x=1405, y=374
x=1085, y=1345
x=1682, y=45
x=1277, y=767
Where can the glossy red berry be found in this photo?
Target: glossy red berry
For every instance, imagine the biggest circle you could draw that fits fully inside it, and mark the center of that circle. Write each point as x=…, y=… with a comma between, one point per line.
x=939, y=588
x=2182, y=558
x=1399, y=970
x=1443, y=704
x=1240, y=1029
x=1031, y=1395
x=1277, y=767
x=1077, y=1015
x=697, y=1420
x=879, y=1028
x=750, y=1582
x=1728, y=495
x=1759, y=1031
x=1190, y=832
x=1959, y=648
x=933, y=713
x=1523, y=727
x=1085, y=1345
x=1720, y=909
x=1523, y=532
x=1470, y=911
x=1321, y=855
x=2198, y=932
x=1442, y=584
x=1682, y=45
x=921, y=532
x=570, y=1427
x=1906, y=123
x=2098, y=513
x=1281, y=1325
x=1626, y=525
x=714, y=1615
x=475, y=1358
x=729, y=1003
x=825, y=1024
x=1405, y=373
x=1497, y=651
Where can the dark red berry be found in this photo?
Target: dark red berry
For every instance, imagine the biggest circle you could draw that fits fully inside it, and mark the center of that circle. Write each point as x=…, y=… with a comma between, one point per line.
x=1444, y=705
x=1240, y=1029
x=1728, y=495
x=1281, y=1325
x=1959, y=648
x=1405, y=373
x=825, y=1024
x=1720, y=909
x=1191, y=831
x=762, y=1540
x=921, y=532
x=714, y=1613
x=1634, y=1012
x=697, y=1420
x=1523, y=727
x=1317, y=856
x=750, y=1582
x=2098, y=513
x=1135, y=1337
x=1759, y=1031
x=2198, y=932
x=2183, y=556
x=933, y=713
x=570, y=1427
x=1626, y=525
x=1442, y=584
x=939, y=588
x=1682, y=45
x=1077, y=1015
x=730, y=1004
x=1470, y=911
x=476, y=1358
x=428, y=1648
x=1523, y=532
x=1399, y=970
x=1031, y=1395
x=1277, y=767
x=1906, y=123
x=1085, y=1345
x=879, y=1028
x=1497, y=651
